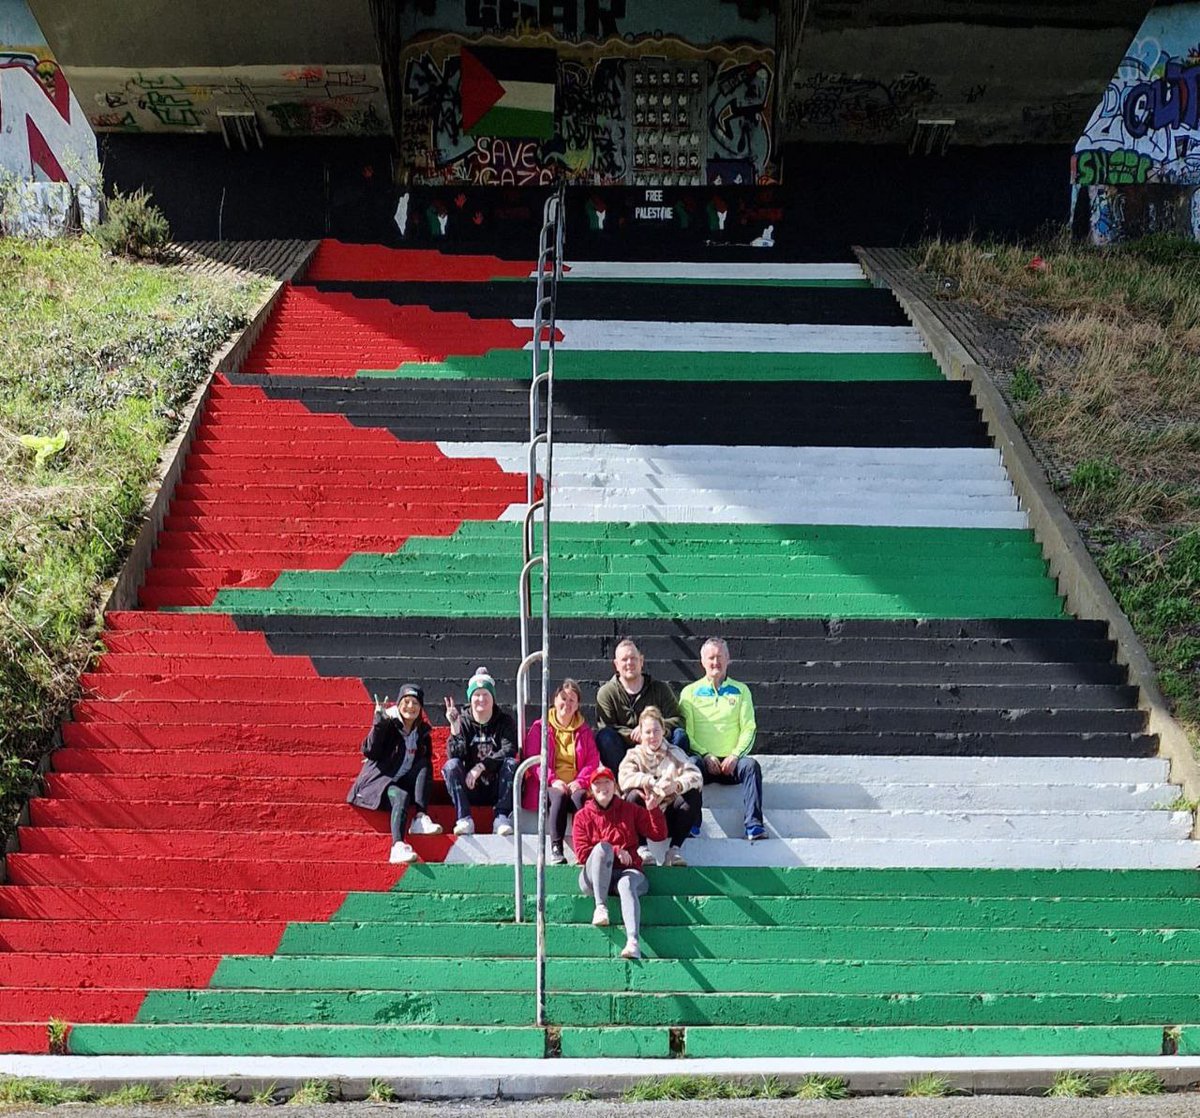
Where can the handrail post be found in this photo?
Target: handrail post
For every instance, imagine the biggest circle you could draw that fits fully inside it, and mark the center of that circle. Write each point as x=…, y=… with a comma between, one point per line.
x=518, y=780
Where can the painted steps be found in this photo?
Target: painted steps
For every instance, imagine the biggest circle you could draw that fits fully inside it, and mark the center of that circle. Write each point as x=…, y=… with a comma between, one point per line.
x=737, y=962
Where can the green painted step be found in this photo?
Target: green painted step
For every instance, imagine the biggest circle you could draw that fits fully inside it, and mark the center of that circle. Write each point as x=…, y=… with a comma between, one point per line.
x=306, y=1040
x=813, y=881
x=1189, y=1040
x=1128, y=1040
x=441, y=1007
x=481, y=939
x=925, y=912
x=417, y=580
x=701, y=976
x=619, y=1044
x=569, y=364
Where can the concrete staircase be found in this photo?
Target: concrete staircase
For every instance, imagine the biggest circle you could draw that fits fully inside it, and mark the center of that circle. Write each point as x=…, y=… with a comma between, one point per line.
x=794, y=475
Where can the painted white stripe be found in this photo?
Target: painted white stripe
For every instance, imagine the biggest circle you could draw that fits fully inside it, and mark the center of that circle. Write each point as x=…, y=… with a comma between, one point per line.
x=633, y=270
x=731, y=337
x=900, y=487
x=439, y=1077
x=961, y=771
x=884, y=795
x=893, y=852
x=775, y=512
x=536, y=96
x=699, y=459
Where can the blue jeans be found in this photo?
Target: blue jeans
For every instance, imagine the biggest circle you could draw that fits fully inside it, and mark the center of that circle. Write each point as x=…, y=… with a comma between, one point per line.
x=612, y=747
x=496, y=792
x=746, y=773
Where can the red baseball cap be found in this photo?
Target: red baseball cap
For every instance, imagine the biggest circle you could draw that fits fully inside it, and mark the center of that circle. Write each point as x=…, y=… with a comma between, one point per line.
x=602, y=773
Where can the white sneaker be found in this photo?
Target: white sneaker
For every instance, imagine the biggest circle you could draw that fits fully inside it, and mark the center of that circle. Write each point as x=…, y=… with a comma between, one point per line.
x=647, y=856
x=502, y=825
x=600, y=917
x=675, y=857
x=631, y=950
x=423, y=825
x=402, y=854
x=465, y=826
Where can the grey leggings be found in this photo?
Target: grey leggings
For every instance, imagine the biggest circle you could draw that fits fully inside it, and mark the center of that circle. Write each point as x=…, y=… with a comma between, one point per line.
x=597, y=877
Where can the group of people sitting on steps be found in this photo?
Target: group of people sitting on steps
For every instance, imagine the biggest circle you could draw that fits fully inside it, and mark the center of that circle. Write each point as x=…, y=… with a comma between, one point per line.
x=652, y=751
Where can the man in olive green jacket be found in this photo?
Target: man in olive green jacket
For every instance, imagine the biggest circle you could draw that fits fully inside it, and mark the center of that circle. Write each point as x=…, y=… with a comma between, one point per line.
x=620, y=702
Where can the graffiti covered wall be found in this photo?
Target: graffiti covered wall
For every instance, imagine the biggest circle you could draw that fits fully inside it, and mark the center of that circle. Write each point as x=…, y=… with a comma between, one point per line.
x=46, y=146
x=309, y=100
x=628, y=102
x=1136, y=166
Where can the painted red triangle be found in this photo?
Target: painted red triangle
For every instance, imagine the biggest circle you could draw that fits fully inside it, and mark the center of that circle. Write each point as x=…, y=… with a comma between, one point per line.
x=478, y=88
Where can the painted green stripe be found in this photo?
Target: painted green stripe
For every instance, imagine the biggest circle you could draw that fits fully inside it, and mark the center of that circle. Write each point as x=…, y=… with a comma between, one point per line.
x=305, y=1040
x=760, y=881
x=701, y=976
x=593, y=580
x=988, y=1041
x=525, y=124
x=481, y=939
x=439, y=1007
x=574, y=364
x=1189, y=1040
x=635, y=1043
x=911, y=912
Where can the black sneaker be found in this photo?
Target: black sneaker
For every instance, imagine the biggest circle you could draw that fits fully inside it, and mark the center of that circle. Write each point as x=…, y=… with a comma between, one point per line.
x=557, y=857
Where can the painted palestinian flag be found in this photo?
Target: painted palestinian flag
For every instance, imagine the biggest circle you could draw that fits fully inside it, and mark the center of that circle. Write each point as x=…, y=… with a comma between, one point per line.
x=508, y=92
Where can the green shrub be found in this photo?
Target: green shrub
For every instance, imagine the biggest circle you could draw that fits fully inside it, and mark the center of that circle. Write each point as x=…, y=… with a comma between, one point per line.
x=133, y=226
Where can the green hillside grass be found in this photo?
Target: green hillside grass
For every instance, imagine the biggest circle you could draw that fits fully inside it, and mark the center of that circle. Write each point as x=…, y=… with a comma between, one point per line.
x=108, y=351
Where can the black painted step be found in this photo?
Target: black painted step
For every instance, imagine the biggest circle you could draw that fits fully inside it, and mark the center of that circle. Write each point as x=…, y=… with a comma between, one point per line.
x=618, y=301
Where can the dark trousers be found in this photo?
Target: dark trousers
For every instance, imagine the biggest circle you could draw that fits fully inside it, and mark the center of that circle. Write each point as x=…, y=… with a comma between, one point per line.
x=561, y=805
x=612, y=747
x=412, y=787
x=496, y=792
x=681, y=816
x=746, y=773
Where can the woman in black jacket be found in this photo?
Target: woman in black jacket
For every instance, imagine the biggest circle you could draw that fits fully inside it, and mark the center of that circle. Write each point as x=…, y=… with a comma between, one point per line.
x=398, y=767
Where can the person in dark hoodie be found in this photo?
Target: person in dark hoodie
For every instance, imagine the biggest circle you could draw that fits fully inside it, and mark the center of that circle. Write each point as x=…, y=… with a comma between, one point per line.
x=606, y=833
x=397, y=768
x=482, y=756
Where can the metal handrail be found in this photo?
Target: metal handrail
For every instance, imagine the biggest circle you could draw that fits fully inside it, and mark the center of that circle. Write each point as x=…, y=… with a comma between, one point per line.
x=522, y=685
x=553, y=215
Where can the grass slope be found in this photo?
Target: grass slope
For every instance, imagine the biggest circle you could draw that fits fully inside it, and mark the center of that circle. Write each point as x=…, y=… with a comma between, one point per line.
x=1102, y=369
x=106, y=350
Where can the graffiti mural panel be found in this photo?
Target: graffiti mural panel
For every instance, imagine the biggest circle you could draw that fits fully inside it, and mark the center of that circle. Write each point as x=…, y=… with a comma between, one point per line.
x=1146, y=128
x=633, y=104
x=300, y=100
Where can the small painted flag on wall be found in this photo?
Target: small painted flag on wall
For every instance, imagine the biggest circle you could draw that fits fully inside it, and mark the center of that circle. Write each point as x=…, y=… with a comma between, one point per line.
x=508, y=91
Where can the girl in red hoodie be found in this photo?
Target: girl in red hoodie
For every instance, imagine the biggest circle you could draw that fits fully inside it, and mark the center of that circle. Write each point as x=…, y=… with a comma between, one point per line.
x=606, y=833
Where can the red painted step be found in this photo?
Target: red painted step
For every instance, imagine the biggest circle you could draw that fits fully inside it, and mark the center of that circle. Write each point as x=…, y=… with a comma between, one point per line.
x=139, y=620
x=25, y=1039
x=48, y=971
x=297, y=873
x=337, y=260
x=200, y=712
x=333, y=334
x=74, y=902
x=151, y=762
x=170, y=735
x=98, y=786
x=337, y=846
x=218, y=688
x=142, y=937
x=70, y=1005
x=258, y=816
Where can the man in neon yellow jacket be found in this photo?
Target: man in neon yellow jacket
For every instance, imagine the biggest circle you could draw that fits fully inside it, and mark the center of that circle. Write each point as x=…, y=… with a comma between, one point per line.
x=718, y=713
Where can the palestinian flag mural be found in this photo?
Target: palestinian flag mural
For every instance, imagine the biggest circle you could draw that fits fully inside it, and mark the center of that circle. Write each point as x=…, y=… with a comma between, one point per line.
x=508, y=92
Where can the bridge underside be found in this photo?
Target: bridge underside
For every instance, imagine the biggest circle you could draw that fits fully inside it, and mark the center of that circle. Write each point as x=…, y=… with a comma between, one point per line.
x=737, y=121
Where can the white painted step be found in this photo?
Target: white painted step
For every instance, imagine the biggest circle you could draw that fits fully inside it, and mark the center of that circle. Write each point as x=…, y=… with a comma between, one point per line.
x=680, y=269
x=583, y=510
x=729, y=337
x=698, y=459
x=965, y=826
x=962, y=771
x=833, y=485
x=958, y=796
x=890, y=852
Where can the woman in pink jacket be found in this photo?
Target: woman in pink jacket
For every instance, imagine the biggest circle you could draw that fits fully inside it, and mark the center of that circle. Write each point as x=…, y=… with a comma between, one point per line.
x=573, y=759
